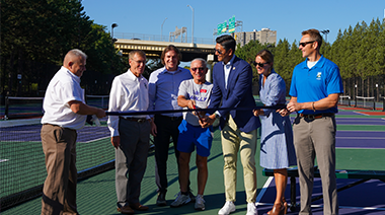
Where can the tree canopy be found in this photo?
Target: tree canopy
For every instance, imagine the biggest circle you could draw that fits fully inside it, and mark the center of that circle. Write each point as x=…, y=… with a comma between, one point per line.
x=37, y=34
x=359, y=52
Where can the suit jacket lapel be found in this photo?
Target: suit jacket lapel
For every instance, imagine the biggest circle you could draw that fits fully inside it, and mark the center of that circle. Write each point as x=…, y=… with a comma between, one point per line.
x=231, y=76
x=221, y=76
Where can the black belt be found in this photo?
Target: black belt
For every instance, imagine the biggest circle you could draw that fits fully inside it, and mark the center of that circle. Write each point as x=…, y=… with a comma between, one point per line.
x=140, y=120
x=315, y=116
x=172, y=118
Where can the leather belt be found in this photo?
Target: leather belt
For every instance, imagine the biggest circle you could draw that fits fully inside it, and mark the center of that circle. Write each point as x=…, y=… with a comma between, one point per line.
x=172, y=118
x=140, y=120
x=315, y=116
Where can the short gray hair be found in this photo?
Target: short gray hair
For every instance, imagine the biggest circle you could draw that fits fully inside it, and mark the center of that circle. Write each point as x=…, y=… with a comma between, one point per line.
x=201, y=60
x=78, y=53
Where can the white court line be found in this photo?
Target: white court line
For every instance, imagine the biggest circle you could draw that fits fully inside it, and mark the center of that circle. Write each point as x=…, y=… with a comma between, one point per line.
x=3, y=160
x=90, y=141
x=350, y=207
x=270, y=179
x=263, y=190
x=321, y=206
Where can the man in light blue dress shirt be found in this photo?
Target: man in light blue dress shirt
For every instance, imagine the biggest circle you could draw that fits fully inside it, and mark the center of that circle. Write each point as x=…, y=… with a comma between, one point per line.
x=163, y=91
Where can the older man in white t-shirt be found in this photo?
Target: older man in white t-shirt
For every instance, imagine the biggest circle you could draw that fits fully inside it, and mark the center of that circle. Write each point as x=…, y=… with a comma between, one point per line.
x=193, y=93
x=64, y=112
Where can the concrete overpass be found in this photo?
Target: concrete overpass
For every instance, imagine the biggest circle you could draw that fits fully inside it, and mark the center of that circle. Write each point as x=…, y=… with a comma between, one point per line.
x=154, y=49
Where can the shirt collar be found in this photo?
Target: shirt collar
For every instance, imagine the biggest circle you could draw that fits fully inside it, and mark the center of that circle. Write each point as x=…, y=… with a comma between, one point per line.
x=177, y=70
x=230, y=63
x=132, y=76
x=77, y=78
x=319, y=64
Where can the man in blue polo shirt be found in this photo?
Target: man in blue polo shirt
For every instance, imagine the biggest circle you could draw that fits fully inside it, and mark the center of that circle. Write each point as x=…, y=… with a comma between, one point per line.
x=315, y=89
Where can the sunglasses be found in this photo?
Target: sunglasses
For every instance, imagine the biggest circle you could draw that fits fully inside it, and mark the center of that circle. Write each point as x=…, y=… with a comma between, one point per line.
x=219, y=51
x=197, y=69
x=305, y=43
x=259, y=64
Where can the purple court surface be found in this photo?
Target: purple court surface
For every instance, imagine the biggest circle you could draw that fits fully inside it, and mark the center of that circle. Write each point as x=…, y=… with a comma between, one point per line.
x=360, y=139
x=360, y=121
x=365, y=198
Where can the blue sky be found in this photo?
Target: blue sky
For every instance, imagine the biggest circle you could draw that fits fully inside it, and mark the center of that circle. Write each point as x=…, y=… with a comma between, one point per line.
x=288, y=17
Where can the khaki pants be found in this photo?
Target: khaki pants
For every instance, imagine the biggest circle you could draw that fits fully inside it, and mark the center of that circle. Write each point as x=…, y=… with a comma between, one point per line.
x=234, y=140
x=316, y=138
x=59, y=191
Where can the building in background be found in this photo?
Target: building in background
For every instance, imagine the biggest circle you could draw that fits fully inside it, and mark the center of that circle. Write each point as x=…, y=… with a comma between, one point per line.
x=264, y=36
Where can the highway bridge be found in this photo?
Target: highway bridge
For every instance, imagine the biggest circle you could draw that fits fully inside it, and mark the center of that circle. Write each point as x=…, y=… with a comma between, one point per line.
x=153, y=49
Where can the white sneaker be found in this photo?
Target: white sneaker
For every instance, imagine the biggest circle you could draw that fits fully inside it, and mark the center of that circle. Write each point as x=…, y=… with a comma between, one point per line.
x=251, y=209
x=180, y=200
x=227, y=208
x=200, y=203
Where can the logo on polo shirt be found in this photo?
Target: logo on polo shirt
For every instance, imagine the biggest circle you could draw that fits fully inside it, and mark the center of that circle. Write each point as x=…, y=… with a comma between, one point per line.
x=319, y=75
x=203, y=91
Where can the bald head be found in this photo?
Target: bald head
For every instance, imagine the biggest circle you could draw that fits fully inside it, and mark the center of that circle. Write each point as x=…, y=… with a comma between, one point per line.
x=75, y=61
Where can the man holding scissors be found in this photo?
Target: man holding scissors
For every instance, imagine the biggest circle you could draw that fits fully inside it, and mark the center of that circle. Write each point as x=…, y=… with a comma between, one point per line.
x=193, y=93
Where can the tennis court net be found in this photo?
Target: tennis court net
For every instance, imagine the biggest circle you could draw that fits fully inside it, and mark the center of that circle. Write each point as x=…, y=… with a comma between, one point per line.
x=27, y=107
x=22, y=164
x=365, y=102
x=344, y=100
x=22, y=107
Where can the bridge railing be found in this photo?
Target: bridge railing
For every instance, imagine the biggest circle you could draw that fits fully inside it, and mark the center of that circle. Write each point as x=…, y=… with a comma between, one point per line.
x=165, y=38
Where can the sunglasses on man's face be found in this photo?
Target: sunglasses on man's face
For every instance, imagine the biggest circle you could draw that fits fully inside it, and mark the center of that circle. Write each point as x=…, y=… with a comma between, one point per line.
x=305, y=43
x=259, y=64
x=197, y=69
x=219, y=51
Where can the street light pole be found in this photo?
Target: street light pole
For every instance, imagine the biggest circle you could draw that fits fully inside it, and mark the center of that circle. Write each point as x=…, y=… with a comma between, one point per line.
x=161, y=30
x=192, y=30
x=325, y=32
x=114, y=25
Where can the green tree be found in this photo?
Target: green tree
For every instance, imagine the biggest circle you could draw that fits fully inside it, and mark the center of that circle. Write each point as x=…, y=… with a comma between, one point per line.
x=37, y=34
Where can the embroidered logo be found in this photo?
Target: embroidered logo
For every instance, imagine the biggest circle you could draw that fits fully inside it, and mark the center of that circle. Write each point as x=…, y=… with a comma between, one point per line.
x=203, y=91
x=319, y=75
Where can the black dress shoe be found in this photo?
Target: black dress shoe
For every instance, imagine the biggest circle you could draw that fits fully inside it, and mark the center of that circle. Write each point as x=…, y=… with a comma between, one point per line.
x=139, y=207
x=161, y=200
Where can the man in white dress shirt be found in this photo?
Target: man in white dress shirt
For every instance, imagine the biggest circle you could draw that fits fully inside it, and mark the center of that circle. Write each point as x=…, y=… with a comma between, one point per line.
x=65, y=112
x=130, y=135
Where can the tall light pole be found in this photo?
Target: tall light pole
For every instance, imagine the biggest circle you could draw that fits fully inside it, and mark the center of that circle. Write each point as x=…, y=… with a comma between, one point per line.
x=192, y=30
x=161, y=30
x=114, y=25
x=325, y=32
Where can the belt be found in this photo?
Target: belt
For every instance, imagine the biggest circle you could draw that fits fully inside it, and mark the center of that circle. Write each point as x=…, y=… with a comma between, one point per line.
x=172, y=118
x=73, y=130
x=140, y=120
x=315, y=116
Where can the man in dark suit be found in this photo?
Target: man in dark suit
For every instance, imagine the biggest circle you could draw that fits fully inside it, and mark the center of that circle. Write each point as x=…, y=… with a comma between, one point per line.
x=232, y=89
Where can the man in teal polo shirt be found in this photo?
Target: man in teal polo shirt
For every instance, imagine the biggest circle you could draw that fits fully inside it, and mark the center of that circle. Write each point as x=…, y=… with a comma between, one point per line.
x=315, y=89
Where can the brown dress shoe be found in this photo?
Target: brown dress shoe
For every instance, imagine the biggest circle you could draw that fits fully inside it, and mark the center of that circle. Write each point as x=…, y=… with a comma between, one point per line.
x=137, y=206
x=126, y=210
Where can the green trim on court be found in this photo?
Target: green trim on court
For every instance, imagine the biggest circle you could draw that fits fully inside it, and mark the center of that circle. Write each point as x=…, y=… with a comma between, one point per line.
x=360, y=127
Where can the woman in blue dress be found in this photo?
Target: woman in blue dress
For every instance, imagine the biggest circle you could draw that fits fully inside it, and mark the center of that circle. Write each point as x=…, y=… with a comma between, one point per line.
x=277, y=148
